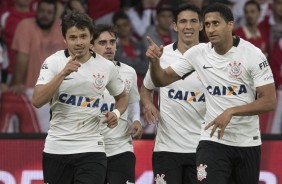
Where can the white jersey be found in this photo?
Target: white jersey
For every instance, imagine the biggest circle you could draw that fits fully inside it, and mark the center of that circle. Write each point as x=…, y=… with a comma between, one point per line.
x=75, y=123
x=119, y=140
x=230, y=80
x=182, y=109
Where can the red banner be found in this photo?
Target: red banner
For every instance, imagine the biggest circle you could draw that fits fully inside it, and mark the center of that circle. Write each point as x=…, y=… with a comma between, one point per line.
x=20, y=162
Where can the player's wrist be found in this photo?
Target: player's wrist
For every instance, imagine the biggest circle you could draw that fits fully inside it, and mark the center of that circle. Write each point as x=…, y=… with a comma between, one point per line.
x=117, y=113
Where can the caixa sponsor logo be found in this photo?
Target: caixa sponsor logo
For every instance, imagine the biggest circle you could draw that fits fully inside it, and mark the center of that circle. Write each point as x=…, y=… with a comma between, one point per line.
x=147, y=177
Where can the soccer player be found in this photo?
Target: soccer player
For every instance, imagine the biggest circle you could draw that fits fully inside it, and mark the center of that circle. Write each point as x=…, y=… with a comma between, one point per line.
x=182, y=106
x=239, y=86
x=118, y=141
x=74, y=81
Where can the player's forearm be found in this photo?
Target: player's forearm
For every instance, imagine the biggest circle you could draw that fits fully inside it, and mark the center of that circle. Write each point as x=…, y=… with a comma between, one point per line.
x=146, y=96
x=158, y=74
x=43, y=93
x=20, y=70
x=259, y=106
x=121, y=102
x=134, y=112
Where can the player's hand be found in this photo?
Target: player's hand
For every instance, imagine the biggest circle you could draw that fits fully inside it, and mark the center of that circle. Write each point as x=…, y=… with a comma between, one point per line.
x=136, y=130
x=111, y=119
x=220, y=123
x=18, y=89
x=151, y=114
x=154, y=52
x=71, y=66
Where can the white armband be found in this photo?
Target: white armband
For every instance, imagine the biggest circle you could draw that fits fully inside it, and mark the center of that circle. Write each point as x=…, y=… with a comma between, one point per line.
x=117, y=113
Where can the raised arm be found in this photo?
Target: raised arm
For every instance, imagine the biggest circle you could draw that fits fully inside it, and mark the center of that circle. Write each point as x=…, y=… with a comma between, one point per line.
x=161, y=77
x=266, y=102
x=43, y=93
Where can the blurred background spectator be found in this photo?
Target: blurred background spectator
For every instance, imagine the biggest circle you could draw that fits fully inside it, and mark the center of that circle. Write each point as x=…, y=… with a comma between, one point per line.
x=20, y=10
x=42, y=37
x=250, y=31
x=161, y=32
x=272, y=24
x=129, y=50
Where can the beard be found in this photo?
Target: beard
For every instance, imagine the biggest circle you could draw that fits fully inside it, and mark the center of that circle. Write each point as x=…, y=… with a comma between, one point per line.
x=44, y=26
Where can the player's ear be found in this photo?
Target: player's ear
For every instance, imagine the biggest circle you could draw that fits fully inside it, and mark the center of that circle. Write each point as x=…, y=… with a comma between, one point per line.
x=174, y=26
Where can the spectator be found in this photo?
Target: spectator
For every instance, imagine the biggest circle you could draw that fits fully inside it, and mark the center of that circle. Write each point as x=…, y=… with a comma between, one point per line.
x=9, y=21
x=272, y=25
x=42, y=37
x=140, y=15
x=250, y=30
x=129, y=50
x=101, y=11
x=275, y=62
x=162, y=32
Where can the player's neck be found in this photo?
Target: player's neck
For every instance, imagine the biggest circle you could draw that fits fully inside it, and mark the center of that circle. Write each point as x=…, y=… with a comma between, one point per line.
x=224, y=46
x=183, y=47
x=85, y=58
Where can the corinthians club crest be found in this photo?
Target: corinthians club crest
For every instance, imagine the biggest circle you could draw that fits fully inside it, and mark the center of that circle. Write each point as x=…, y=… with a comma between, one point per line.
x=99, y=81
x=127, y=85
x=234, y=68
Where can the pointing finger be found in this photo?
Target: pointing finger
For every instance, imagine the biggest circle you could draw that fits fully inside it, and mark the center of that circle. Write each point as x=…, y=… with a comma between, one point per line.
x=150, y=41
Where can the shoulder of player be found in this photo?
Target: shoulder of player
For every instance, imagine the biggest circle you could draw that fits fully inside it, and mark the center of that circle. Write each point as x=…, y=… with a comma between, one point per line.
x=126, y=68
x=59, y=55
x=246, y=48
x=197, y=48
x=106, y=62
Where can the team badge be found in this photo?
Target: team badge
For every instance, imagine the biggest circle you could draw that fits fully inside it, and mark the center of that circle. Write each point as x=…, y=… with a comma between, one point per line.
x=201, y=172
x=99, y=81
x=235, y=68
x=127, y=85
x=160, y=179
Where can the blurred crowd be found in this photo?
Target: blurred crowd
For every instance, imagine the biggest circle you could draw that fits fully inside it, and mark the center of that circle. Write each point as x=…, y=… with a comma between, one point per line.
x=30, y=31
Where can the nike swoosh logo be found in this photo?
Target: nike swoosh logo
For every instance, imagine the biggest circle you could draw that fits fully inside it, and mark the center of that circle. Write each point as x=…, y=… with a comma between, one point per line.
x=68, y=78
x=206, y=67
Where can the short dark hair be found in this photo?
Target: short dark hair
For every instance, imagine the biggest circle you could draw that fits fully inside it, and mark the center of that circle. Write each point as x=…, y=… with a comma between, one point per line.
x=164, y=7
x=100, y=28
x=75, y=18
x=48, y=2
x=254, y=3
x=189, y=7
x=119, y=15
x=222, y=9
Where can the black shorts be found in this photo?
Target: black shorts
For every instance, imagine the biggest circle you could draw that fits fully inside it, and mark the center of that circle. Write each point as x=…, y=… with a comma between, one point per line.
x=174, y=168
x=74, y=168
x=223, y=164
x=121, y=168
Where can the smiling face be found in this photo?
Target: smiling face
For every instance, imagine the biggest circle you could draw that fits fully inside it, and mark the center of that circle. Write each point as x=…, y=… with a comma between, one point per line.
x=217, y=29
x=78, y=42
x=188, y=26
x=105, y=45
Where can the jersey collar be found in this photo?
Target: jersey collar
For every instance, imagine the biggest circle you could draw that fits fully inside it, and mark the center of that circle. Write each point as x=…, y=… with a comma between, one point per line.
x=67, y=54
x=236, y=41
x=174, y=46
